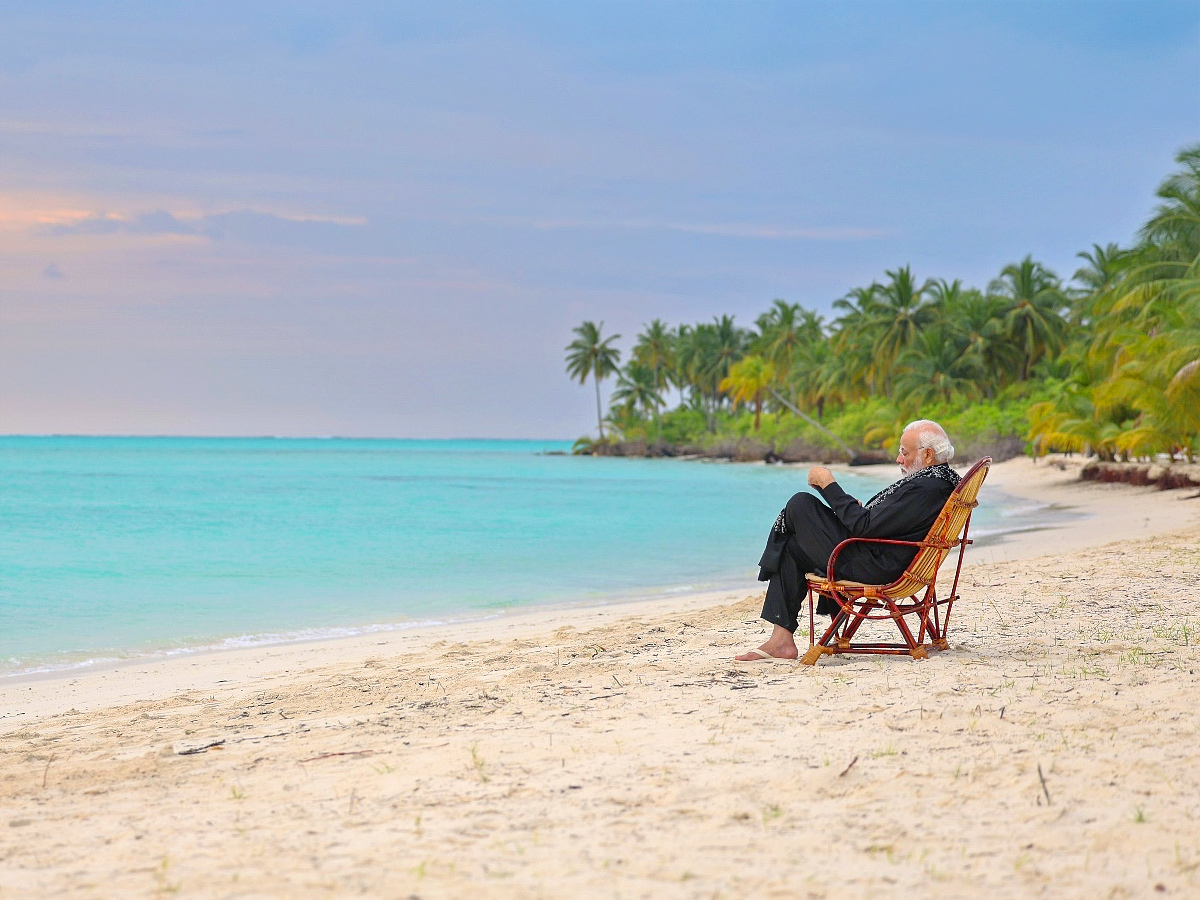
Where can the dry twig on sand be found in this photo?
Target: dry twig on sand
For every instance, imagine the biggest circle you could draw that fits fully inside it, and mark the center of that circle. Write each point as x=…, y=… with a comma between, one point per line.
x=340, y=753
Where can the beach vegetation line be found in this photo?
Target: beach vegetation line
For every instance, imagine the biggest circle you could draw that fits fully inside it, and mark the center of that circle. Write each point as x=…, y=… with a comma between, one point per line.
x=1105, y=363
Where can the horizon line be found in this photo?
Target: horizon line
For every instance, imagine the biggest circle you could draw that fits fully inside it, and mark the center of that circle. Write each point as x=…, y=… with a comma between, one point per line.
x=272, y=437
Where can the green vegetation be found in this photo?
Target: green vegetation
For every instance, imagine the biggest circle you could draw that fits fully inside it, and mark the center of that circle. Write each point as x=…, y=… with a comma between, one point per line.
x=1106, y=364
x=589, y=354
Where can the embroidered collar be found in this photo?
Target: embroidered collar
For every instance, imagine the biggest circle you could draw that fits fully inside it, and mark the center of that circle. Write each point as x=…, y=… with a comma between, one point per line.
x=941, y=470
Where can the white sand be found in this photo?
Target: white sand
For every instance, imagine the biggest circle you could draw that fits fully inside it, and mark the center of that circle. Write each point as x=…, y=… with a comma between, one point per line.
x=626, y=756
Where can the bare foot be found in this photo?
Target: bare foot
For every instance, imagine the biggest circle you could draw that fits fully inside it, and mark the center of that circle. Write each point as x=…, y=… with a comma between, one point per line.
x=780, y=645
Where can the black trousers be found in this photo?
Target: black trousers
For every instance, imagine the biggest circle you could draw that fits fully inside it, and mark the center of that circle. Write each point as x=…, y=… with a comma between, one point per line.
x=812, y=531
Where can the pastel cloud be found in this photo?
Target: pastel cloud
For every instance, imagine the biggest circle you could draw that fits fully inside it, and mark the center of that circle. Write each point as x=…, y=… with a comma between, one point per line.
x=750, y=231
x=245, y=223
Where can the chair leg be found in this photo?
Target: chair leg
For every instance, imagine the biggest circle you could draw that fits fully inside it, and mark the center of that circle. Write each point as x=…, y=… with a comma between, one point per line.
x=926, y=624
x=815, y=652
x=812, y=637
x=914, y=647
x=938, y=634
x=932, y=616
x=946, y=617
x=839, y=636
x=821, y=648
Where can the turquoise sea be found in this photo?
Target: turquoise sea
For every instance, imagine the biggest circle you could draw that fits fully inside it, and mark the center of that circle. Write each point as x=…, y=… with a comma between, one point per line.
x=118, y=547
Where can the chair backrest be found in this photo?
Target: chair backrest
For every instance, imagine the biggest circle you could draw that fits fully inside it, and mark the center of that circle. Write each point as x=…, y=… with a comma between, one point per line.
x=943, y=534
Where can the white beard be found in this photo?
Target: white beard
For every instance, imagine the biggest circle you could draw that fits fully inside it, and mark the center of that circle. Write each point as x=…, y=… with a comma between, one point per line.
x=915, y=467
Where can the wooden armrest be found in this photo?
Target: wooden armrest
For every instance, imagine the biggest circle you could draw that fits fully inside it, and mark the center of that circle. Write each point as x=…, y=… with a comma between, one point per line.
x=865, y=540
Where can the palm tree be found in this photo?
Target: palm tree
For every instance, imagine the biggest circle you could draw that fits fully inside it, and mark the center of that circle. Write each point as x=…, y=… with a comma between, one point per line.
x=636, y=388
x=901, y=312
x=779, y=333
x=858, y=305
x=838, y=378
x=695, y=362
x=1070, y=422
x=1167, y=406
x=1175, y=226
x=731, y=344
x=806, y=379
x=748, y=382
x=1142, y=359
x=1157, y=370
x=704, y=354
x=589, y=354
x=1102, y=273
x=1035, y=310
x=655, y=349
x=1103, y=267
x=975, y=322
x=789, y=333
x=931, y=369
x=851, y=371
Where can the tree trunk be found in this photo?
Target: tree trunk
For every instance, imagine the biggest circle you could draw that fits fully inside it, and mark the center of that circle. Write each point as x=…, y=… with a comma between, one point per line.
x=657, y=423
x=813, y=422
x=599, y=414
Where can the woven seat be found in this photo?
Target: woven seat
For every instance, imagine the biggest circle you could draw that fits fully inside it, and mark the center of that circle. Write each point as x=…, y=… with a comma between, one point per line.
x=914, y=593
x=818, y=577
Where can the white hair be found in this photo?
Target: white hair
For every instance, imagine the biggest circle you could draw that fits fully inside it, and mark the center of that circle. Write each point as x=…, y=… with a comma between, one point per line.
x=931, y=435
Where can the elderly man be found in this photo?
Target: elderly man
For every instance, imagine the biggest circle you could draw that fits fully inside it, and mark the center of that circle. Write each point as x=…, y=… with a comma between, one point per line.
x=807, y=531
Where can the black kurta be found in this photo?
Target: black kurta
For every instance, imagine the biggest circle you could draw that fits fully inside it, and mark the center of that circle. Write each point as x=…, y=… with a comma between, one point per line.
x=807, y=531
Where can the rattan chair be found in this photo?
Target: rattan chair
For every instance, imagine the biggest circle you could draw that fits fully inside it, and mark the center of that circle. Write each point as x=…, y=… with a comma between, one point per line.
x=913, y=594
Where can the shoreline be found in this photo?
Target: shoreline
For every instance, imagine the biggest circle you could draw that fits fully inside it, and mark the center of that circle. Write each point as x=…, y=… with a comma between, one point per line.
x=651, y=597
x=721, y=585
x=1098, y=515
x=256, y=641
x=148, y=651
x=153, y=676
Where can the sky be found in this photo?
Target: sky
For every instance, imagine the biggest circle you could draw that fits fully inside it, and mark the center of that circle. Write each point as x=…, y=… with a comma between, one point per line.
x=385, y=219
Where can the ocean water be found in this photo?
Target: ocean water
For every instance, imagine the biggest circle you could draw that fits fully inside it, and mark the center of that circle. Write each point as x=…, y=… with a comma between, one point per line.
x=119, y=547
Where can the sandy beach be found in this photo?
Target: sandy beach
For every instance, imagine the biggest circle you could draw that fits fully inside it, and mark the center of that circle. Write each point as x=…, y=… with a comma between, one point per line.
x=619, y=752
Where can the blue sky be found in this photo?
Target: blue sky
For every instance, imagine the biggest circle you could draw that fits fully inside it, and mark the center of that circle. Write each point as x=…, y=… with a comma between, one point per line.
x=385, y=219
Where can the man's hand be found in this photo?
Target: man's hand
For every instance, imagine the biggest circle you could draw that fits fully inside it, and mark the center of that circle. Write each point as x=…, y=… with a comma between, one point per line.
x=819, y=476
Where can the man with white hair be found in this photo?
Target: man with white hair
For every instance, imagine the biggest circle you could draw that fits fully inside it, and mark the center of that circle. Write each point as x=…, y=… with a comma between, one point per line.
x=807, y=531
